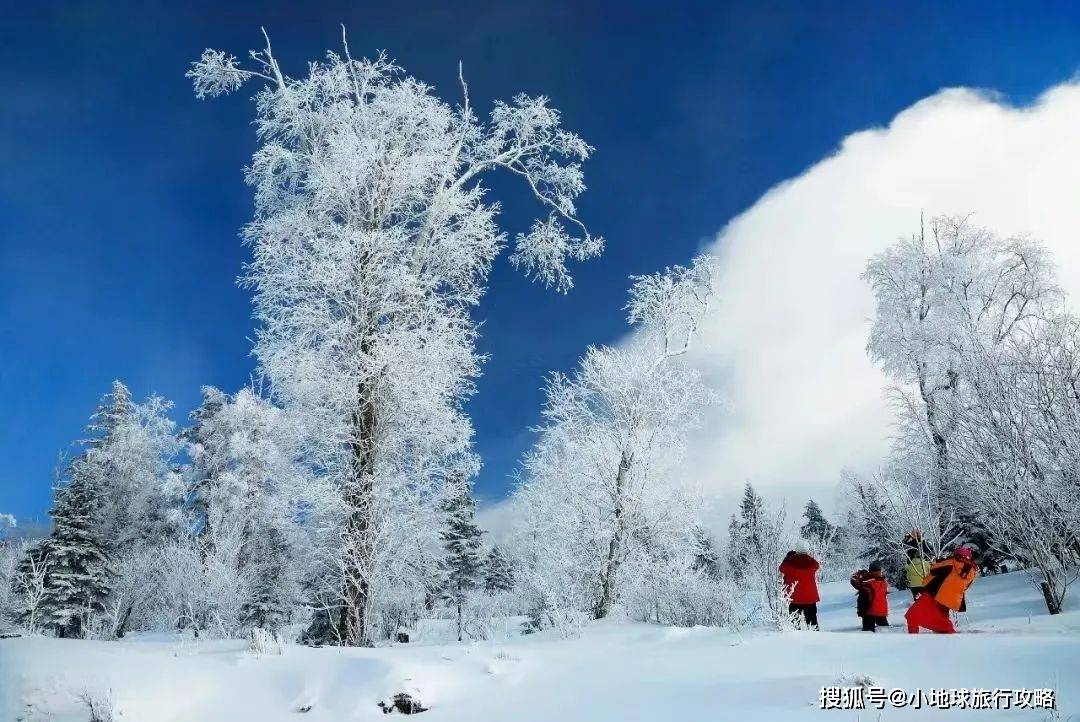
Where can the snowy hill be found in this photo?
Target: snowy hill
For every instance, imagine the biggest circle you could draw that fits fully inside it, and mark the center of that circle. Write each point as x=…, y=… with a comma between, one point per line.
x=613, y=671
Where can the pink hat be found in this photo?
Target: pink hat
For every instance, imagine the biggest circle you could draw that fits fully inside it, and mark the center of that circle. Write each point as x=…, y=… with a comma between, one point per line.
x=963, y=553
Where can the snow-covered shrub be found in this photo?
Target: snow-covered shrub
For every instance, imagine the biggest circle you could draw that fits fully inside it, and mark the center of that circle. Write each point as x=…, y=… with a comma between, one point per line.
x=681, y=596
x=549, y=603
x=28, y=586
x=486, y=614
x=265, y=641
x=398, y=608
x=855, y=680
x=179, y=584
x=12, y=552
x=101, y=706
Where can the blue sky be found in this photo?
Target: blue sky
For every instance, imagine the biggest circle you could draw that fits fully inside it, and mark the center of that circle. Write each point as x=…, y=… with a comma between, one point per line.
x=121, y=195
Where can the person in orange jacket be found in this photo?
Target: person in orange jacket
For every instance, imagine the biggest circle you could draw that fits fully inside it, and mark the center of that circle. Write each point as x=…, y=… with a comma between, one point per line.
x=799, y=570
x=943, y=589
x=872, y=602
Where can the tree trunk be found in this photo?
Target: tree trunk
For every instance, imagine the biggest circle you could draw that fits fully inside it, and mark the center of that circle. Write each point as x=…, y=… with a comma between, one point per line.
x=121, y=628
x=459, y=613
x=355, y=620
x=614, y=555
x=1052, y=605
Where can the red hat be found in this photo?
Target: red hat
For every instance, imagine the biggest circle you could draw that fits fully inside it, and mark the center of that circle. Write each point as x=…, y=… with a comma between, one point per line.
x=963, y=553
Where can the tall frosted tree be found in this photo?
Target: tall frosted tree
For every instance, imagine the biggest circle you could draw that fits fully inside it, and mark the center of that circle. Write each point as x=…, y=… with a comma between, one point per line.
x=373, y=236
x=940, y=297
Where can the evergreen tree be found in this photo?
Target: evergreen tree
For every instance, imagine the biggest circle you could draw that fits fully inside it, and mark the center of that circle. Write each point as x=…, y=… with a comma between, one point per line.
x=744, y=530
x=114, y=409
x=206, y=459
x=77, y=583
x=750, y=510
x=817, y=528
x=499, y=574
x=462, y=565
x=878, y=543
x=127, y=460
x=706, y=559
x=268, y=607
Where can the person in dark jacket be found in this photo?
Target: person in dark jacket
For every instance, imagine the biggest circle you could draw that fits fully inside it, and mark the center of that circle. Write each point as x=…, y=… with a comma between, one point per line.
x=799, y=571
x=872, y=602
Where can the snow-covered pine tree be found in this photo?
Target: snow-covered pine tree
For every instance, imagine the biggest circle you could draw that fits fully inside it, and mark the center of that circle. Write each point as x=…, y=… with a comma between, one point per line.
x=207, y=461
x=114, y=409
x=498, y=573
x=750, y=510
x=462, y=566
x=127, y=459
x=879, y=539
x=268, y=607
x=706, y=557
x=735, y=553
x=817, y=528
x=77, y=579
x=744, y=533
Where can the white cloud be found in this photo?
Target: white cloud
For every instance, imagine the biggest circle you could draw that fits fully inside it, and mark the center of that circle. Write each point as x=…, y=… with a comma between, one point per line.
x=496, y=519
x=786, y=344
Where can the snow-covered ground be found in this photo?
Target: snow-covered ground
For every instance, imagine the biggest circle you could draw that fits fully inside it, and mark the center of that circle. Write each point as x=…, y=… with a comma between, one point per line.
x=615, y=670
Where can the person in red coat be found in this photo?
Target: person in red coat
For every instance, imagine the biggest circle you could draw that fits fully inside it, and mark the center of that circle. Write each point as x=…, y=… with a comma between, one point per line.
x=799, y=571
x=872, y=602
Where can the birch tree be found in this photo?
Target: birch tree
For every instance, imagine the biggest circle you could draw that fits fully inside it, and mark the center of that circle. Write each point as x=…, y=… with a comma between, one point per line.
x=599, y=484
x=936, y=295
x=1000, y=474
x=373, y=237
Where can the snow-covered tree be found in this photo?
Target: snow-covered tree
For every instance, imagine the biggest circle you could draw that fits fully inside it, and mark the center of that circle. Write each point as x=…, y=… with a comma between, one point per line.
x=817, y=528
x=373, y=236
x=76, y=580
x=257, y=516
x=973, y=329
x=128, y=459
x=462, y=565
x=498, y=571
x=602, y=487
x=1017, y=440
x=707, y=558
x=7, y=526
x=120, y=494
x=881, y=514
x=207, y=461
x=29, y=564
x=744, y=531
